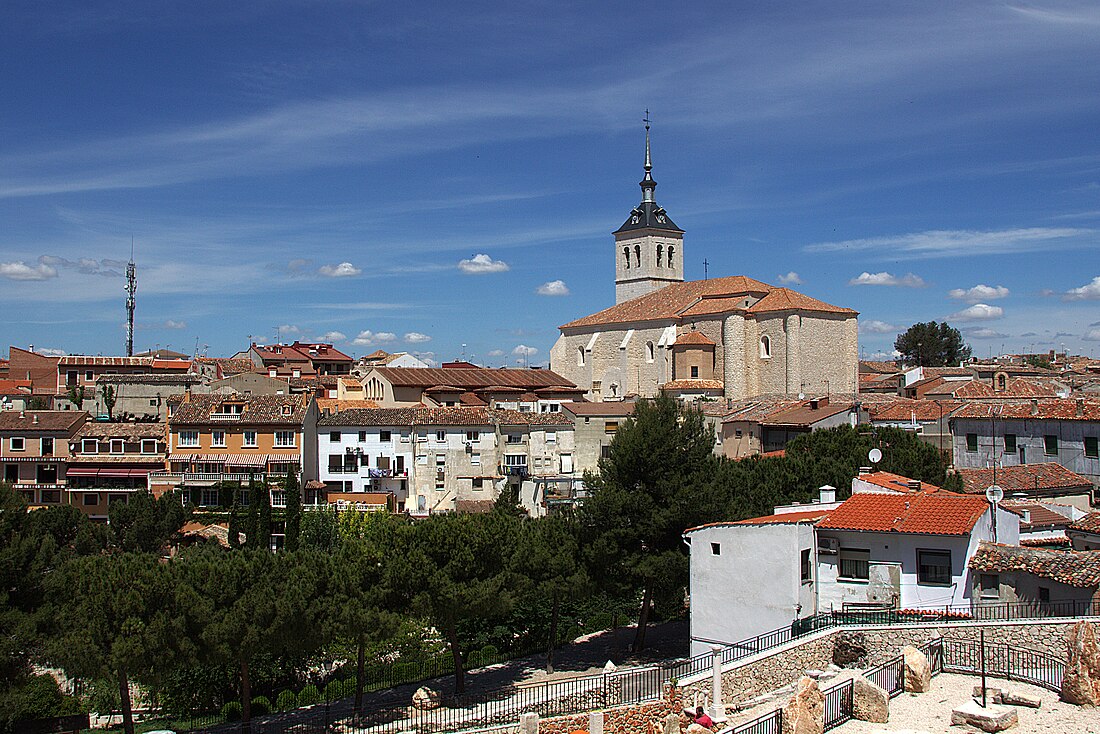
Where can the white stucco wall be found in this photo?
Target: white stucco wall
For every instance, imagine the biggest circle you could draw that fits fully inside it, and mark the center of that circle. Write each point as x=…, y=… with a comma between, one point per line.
x=752, y=586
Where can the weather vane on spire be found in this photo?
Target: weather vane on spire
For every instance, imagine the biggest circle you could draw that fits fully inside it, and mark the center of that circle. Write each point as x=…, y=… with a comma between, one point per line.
x=646, y=118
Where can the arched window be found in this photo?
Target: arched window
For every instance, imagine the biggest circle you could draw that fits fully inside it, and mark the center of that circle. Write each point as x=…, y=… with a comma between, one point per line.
x=765, y=347
x=1002, y=381
x=649, y=352
x=638, y=255
x=671, y=250
x=660, y=252
x=626, y=256
x=580, y=356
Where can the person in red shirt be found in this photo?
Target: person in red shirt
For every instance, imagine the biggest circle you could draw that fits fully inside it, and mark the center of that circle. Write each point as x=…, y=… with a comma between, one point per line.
x=702, y=719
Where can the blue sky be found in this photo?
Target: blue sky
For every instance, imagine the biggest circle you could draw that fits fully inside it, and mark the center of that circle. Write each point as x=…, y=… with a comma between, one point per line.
x=419, y=176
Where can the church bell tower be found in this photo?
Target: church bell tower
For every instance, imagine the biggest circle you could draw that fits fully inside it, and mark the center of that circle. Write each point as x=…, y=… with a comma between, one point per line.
x=649, y=247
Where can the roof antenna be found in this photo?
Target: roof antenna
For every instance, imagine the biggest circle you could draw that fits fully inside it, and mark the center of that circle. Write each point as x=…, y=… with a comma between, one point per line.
x=131, y=289
x=705, y=265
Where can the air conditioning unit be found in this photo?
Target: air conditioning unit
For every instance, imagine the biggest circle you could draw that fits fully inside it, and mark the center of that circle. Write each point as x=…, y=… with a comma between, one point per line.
x=828, y=545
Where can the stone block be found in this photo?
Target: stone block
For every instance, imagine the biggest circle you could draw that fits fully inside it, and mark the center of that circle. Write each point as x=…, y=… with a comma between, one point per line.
x=1015, y=698
x=1081, y=682
x=805, y=712
x=425, y=698
x=529, y=723
x=671, y=724
x=869, y=701
x=850, y=650
x=918, y=673
x=990, y=719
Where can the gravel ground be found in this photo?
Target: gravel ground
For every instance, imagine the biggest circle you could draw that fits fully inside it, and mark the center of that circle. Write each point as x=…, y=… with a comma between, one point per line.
x=931, y=712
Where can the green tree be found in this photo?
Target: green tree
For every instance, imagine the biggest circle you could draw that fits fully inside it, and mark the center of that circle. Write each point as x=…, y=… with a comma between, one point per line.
x=235, y=518
x=932, y=345
x=252, y=518
x=264, y=523
x=453, y=569
x=293, y=526
x=656, y=481
x=144, y=523
x=115, y=620
x=320, y=530
x=76, y=396
x=107, y=392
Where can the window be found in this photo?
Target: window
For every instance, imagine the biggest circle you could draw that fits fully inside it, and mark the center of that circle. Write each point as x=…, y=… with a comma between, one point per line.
x=1010, y=443
x=1050, y=445
x=971, y=442
x=610, y=428
x=765, y=347
x=855, y=564
x=113, y=498
x=478, y=483
x=1092, y=447
x=351, y=463
x=694, y=370
x=51, y=496
x=89, y=446
x=716, y=549
x=580, y=356
x=551, y=437
x=284, y=439
x=649, y=352
x=217, y=440
x=70, y=377
x=385, y=436
x=638, y=255
x=515, y=460
x=934, y=567
x=188, y=438
x=46, y=445
x=362, y=436
x=475, y=459
x=805, y=572
x=335, y=463
x=441, y=437
x=990, y=586
x=118, y=445
x=18, y=443
x=209, y=498
x=660, y=254
x=1044, y=595
x=333, y=435
x=89, y=376
x=605, y=452
x=671, y=250
x=148, y=446
x=738, y=433
x=514, y=438
x=91, y=499
x=250, y=440
x=473, y=436
x=626, y=257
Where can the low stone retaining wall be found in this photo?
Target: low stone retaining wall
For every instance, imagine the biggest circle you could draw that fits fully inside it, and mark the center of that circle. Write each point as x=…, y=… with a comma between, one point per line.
x=636, y=719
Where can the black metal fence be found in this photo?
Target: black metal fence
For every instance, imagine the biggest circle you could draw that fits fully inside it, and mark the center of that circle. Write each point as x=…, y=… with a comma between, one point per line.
x=1004, y=661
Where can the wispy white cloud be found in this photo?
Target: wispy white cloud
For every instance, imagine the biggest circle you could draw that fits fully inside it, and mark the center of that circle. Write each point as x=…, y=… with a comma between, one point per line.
x=333, y=337
x=495, y=353
x=874, y=326
x=905, y=281
x=343, y=270
x=984, y=332
x=791, y=278
x=979, y=293
x=480, y=264
x=173, y=324
x=523, y=349
x=553, y=288
x=1088, y=292
x=289, y=329
x=883, y=355
x=368, y=338
x=978, y=312
x=962, y=243
x=19, y=270
x=415, y=337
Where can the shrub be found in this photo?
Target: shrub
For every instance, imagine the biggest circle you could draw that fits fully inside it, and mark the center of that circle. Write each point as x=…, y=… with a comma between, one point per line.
x=261, y=705
x=309, y=695
x=337, y=689
x=232, y=711
x=286, y=701
x=489, y=652
x=473, y=660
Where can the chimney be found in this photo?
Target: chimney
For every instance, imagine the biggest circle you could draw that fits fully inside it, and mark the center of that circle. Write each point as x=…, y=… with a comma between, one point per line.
x=814, y=403
x=913, y=485
x=864, y=470
x=271, y=371
x=35, y=419
x=1034, y=406
x=1080, y=412
x=1026, y=515
x=826, y=494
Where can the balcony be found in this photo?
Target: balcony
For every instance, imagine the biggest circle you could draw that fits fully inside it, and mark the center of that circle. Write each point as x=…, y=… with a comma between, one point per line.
x=224, y=417
x=166, y=477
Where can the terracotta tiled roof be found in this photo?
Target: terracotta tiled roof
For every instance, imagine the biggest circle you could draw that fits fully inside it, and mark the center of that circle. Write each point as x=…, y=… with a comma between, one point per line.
x=904, y=410
x=517, y=418
x=1023, y=478
x=804, y=415
x=933, y=513
x=96, y=429
x=1057, y=409
x=1074, y=568
x=258, y=409
x=334, y=404
x=896, y=482
x=757, y=409
x=229, y=365
x=454, y=416
x=947, y=371
x=470, y=379
x=371, y=417
x=474, y=506
x=1017, y=388
x=1090, y=523
x=689, y=338
x=691, y=298
x=693, y=384
x=41, y=420
x=1040, y=516
x=183, y=379
x=97, y=361
x=786, y=518
x=471, y=399
x=866, y=365
x=15, y=387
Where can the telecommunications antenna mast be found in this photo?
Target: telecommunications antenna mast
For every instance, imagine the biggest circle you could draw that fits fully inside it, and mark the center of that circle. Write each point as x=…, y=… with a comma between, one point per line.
x=131, y=289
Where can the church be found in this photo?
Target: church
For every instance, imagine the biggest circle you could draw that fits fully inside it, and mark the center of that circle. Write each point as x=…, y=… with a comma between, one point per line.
x=731, y=337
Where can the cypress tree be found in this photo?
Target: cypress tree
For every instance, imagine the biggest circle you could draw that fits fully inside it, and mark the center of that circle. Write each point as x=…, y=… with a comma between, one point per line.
x=293, y=511
x=235, y=518
x=263, y=518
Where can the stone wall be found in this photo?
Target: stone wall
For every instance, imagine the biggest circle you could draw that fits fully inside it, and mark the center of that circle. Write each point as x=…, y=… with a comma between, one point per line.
x=635, y=719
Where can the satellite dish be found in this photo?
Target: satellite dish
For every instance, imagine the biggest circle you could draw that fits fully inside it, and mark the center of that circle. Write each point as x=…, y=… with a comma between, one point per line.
x=874, y=456
x=994, y=494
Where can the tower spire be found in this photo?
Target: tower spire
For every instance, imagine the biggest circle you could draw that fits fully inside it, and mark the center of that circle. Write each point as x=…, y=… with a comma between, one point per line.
x=647, y=184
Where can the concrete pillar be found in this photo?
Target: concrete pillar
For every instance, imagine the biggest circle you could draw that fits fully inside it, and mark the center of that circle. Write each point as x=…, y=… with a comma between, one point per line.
x=717, y=708
x=528, y=724
x=595, y=722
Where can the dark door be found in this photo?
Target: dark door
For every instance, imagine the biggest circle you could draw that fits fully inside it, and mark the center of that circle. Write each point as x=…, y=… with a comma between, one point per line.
x=47, y=474
x=1023, y=456
x=11, y=473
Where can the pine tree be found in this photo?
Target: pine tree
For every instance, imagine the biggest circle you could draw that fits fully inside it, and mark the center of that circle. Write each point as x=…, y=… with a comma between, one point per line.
x=264, y=522
x=293, y=511
x=235, y=518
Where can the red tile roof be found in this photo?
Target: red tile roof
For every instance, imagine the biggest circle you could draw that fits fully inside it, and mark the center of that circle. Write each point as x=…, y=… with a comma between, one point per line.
x=905, y=410
x=472, y=378
x=609, y=409
x=41, y=420
x=1017, y=388
x=1057, y=409
x=1040, y=516
x=1074, y=568
x=702, y=297
x=694, y=384
x=1090, y=523
x=896, y=482
x=786, y=518
x=866, y=366
x=933, y=513
x=689, y=338
x=1023, y=478
x=804, y=415
x=283, y=410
